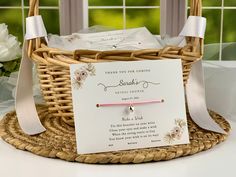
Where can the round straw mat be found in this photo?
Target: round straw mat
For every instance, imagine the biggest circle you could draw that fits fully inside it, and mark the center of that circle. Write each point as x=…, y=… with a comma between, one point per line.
x=59, y=141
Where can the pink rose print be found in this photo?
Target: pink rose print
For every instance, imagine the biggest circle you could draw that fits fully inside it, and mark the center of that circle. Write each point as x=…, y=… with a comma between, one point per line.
x=81, y=74
x=177, y=132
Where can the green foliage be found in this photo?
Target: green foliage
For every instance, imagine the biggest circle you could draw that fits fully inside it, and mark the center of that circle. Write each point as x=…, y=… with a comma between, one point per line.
x=13, y=19
x=213, y=26
x=9, y=67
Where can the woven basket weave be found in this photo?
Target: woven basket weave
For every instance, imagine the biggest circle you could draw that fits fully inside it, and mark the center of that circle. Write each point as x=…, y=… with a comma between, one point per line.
x=53, y=64
x=59, y=141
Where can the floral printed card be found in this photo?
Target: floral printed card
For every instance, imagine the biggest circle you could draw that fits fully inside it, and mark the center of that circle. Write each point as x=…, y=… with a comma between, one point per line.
x=128, y=105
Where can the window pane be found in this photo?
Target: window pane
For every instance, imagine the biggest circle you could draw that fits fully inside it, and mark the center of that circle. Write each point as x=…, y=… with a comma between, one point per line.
x=106, y=17
x=229, y=33
x=209, y=2
x=51, y=20
x=230, y=3
x=105, y=2
x=13, y=18
x=10, y=3
x=213, y=26
x=229, y=36
x=211, y=51
x=44, y=2
x=229, y=52
x=144, y=17
x=142, y=2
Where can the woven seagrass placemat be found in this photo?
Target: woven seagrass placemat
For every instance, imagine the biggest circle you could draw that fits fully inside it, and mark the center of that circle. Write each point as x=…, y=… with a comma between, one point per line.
x=59, y=141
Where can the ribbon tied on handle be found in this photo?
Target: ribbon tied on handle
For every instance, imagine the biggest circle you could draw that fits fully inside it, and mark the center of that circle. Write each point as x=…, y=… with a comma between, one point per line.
x=195, y=26
x=24, y=104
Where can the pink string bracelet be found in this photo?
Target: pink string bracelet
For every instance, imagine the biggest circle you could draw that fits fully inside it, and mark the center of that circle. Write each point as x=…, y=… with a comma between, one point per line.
x=130, y=103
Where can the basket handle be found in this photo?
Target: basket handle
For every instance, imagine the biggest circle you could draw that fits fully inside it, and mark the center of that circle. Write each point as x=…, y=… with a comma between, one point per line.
x=33, y=8
x=195, y=7
x=33, y=44
x=195, y=10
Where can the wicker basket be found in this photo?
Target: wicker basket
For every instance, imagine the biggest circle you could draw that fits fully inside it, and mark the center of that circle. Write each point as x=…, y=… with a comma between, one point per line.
x=54, y=72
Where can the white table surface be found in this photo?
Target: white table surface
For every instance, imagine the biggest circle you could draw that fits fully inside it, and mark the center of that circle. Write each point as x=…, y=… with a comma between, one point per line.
x=216, y=162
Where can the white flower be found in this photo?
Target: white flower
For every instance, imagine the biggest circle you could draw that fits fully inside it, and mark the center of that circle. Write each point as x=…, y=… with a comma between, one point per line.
x=3, y=32
x=9, y=46
x=1, y=65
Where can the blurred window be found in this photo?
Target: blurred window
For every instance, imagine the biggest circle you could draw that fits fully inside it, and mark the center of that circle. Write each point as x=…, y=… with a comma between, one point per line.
x=119, y=14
